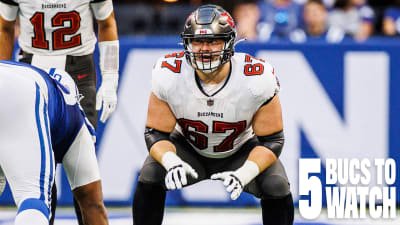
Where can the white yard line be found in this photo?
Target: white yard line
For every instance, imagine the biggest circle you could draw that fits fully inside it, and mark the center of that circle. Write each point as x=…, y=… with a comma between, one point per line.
x=200, y=216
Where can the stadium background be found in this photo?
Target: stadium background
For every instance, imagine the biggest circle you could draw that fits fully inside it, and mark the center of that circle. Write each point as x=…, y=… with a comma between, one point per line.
x=339, y=101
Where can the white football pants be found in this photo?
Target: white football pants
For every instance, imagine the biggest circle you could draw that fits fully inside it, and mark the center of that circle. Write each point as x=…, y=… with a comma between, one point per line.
x=26, y=156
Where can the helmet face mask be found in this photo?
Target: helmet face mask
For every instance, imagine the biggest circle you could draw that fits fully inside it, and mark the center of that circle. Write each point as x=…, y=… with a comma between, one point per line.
x=206, y=61
x=209, y=22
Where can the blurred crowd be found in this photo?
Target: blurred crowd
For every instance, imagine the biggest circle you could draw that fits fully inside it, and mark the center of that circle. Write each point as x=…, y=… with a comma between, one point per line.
x=329, y=20
x=269, y=20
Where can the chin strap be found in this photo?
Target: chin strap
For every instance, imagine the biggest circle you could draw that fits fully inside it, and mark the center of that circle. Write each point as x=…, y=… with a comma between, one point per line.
x=240, y=40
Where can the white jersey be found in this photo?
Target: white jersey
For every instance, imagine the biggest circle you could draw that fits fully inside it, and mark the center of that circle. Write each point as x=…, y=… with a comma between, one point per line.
x=54, y=27
x=215, y=125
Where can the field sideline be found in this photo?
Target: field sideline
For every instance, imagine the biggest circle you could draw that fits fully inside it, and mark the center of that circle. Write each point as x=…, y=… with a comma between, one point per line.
x=198, y=216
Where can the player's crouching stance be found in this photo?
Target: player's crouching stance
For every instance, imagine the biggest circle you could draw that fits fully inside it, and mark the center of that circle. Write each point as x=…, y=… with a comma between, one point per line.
x=216, y=115
x=41, y=124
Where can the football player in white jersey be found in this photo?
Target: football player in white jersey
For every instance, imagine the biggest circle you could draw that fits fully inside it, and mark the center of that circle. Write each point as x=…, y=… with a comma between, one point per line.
x=59, y=34
x=41, y=123
x=215, y=115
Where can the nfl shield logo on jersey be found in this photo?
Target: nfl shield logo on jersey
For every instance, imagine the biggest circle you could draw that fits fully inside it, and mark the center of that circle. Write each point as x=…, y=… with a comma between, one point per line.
x=210, y=102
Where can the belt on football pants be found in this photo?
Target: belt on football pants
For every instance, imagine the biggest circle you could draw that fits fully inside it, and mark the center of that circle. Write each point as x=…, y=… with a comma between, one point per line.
x=69, y=59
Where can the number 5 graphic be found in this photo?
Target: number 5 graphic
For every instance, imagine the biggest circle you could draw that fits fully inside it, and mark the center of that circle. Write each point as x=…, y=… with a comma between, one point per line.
x=310, y=186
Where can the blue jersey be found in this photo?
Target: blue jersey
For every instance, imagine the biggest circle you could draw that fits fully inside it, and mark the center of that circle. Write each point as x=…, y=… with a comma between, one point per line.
x=394, y=14
x=282, y=19
x=66, y=116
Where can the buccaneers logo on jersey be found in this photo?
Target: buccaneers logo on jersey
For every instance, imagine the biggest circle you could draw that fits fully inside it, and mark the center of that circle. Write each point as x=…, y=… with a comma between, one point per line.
x=210, y=102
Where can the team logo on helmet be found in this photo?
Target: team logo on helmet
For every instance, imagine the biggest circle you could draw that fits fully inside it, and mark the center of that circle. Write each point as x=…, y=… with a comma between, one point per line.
x=229, y=19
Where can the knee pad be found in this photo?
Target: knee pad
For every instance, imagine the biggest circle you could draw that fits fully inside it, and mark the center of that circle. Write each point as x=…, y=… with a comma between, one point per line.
x=152, y=173
x=36, y=204
x=275, y=187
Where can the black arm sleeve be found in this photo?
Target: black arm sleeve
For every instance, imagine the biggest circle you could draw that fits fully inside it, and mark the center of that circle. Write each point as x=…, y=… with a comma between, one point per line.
x=152, y=136
x=274, y=142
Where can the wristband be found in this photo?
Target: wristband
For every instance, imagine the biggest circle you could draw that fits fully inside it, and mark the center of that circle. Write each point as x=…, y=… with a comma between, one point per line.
x=247, y=172
x=170, y=160
x=109, y=56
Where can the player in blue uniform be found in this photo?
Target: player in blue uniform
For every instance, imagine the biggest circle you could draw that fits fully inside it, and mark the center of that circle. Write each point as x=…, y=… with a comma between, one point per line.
x=42, y=123
x=391, y=20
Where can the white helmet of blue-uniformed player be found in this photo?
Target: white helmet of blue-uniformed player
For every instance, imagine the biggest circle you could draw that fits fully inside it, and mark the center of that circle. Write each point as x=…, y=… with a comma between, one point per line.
x=66, y=84
x=209, y=21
